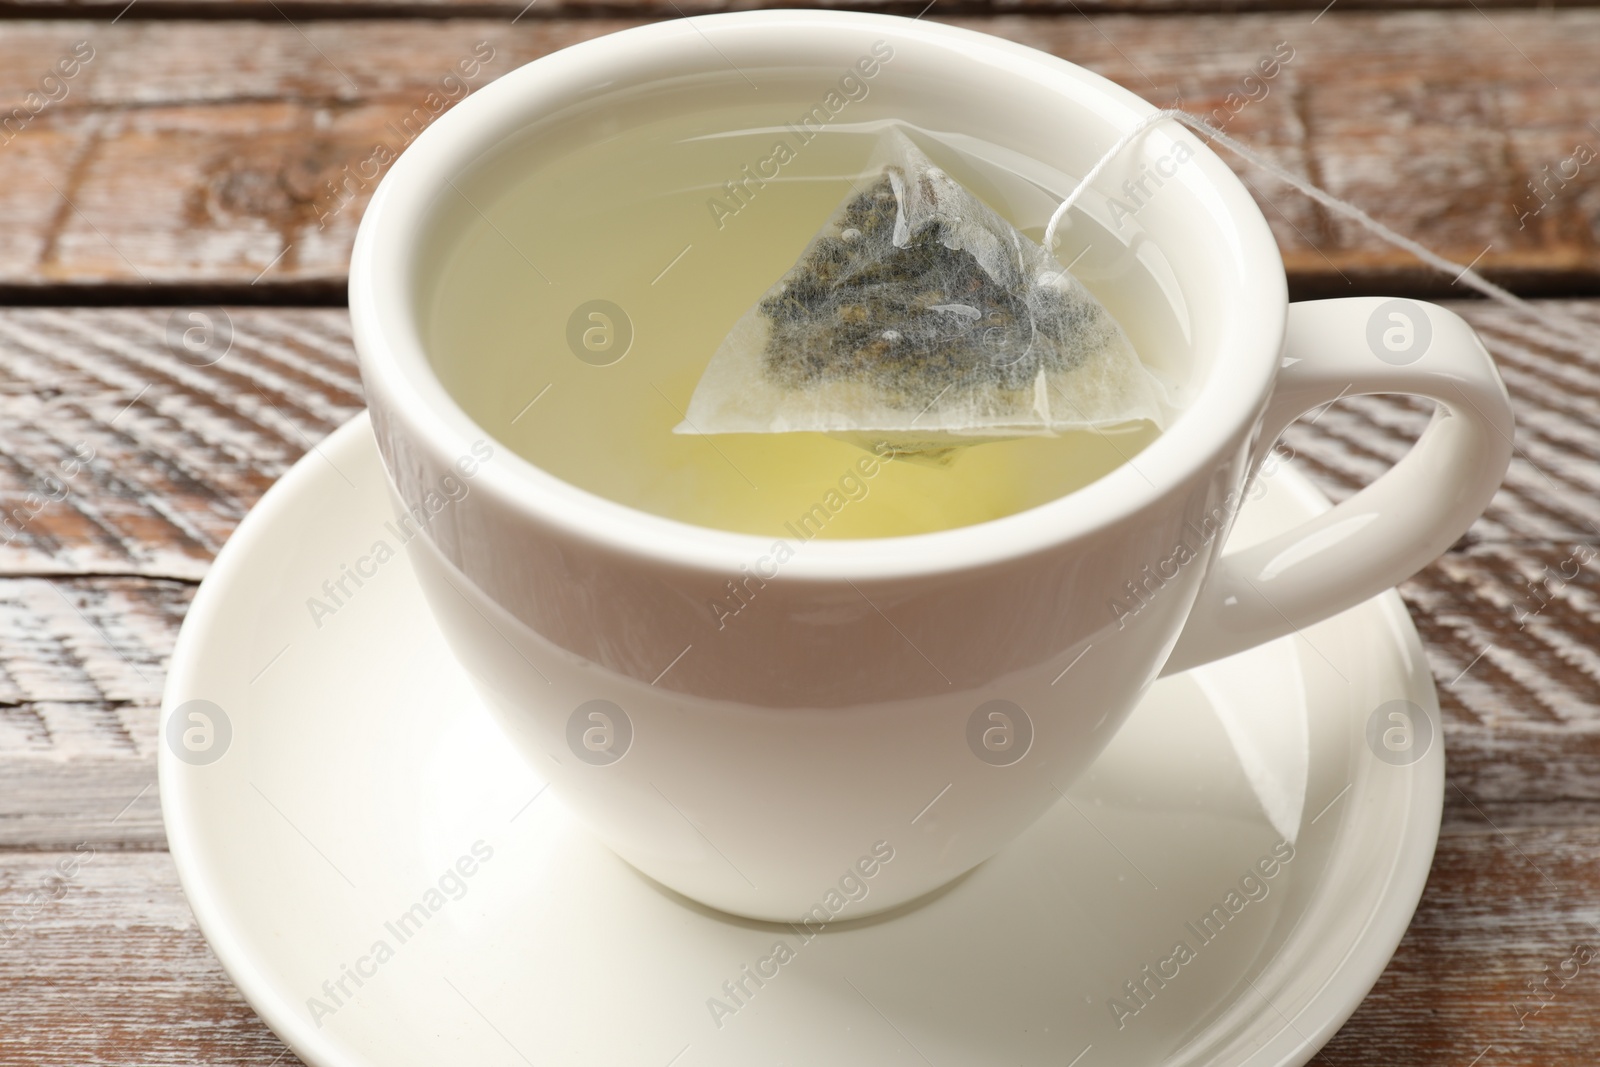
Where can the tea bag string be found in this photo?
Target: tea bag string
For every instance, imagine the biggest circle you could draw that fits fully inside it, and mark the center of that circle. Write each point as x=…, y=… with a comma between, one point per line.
x=1573, y=328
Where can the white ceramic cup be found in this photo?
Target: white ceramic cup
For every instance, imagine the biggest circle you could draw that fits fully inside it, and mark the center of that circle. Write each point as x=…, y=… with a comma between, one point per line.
x=899, y=709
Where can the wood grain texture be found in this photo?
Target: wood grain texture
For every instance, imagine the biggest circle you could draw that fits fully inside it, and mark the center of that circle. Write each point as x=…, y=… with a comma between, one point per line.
x=1504, y=910
x=201, y=153
x=105, y=965
x=181, y=447
x=80, y=685
x=440, y=9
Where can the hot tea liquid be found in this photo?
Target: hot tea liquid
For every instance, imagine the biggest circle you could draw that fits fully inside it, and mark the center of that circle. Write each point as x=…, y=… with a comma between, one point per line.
x=577, y=307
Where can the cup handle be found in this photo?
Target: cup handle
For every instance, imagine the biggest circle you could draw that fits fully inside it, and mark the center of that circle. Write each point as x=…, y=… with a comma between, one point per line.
x=1401, y=522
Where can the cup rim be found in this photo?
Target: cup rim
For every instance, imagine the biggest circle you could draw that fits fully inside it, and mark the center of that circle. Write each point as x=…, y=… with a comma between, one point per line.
x=401, y=383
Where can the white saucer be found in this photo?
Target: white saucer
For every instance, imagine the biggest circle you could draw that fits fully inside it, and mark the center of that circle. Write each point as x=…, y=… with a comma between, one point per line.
x=355, y=769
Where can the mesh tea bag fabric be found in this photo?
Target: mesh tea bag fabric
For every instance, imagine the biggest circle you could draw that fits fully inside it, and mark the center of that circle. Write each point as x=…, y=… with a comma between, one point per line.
x=920, y=318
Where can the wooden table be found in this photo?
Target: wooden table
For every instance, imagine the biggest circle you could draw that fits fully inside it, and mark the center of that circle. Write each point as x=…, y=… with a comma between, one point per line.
x=183, y=165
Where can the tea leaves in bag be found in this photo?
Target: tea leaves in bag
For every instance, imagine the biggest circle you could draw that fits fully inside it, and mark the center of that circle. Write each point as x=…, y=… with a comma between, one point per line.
x=919, y=317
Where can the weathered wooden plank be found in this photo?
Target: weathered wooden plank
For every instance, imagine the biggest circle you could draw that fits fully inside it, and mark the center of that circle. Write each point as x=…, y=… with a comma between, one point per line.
x=1503, y=911
x=326, y=9
x=99, y=641
x=105, y=964
x=80, y=682
x=101, y=962
x=137, y=439
x=226, y=135
x=1515, y=651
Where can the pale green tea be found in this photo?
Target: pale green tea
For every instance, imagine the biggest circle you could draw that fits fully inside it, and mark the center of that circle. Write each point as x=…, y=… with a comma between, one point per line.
x=582, y=299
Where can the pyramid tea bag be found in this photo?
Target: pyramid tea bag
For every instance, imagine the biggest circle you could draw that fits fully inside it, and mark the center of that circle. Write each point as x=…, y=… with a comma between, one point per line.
x=920, y=319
